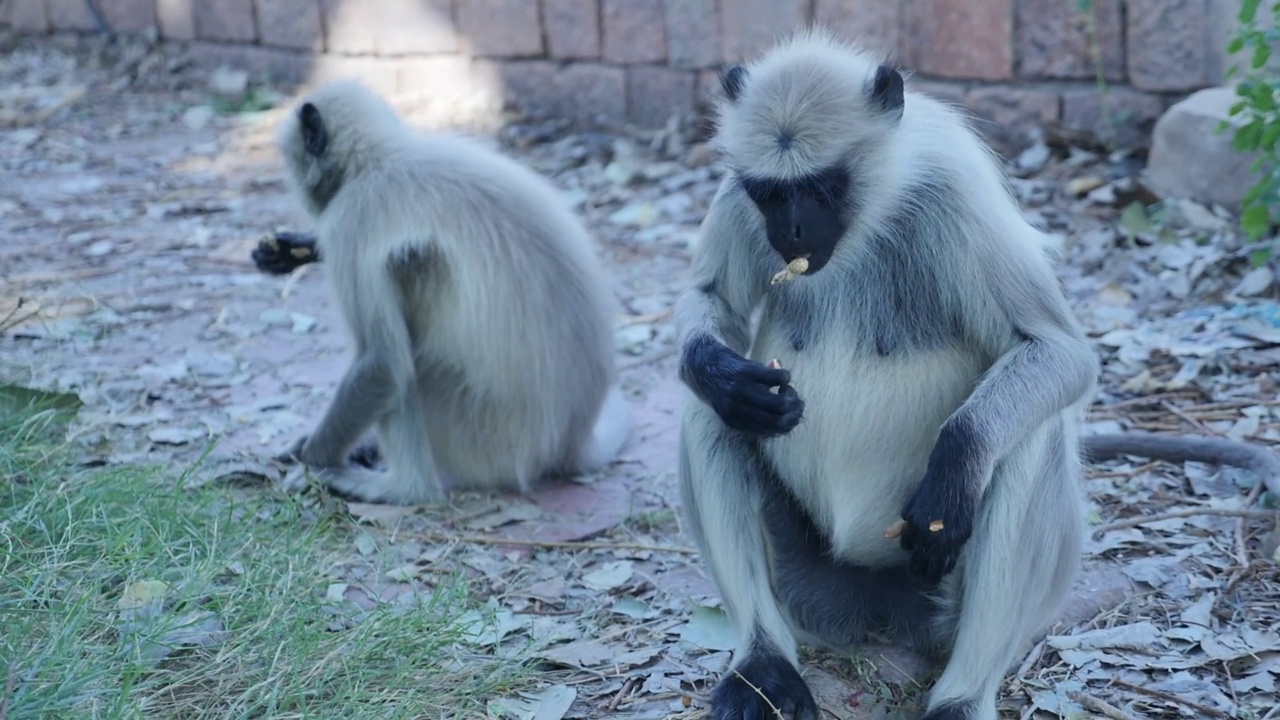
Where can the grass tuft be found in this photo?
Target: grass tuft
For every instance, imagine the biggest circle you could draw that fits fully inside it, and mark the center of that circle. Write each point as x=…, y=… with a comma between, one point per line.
x=125, y=595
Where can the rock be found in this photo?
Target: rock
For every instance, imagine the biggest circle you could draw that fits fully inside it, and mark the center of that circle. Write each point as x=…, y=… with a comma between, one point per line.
x=198, y=117
x=1255, y=282
x=1033, y=159
x=229, y=82
x=1190, y=160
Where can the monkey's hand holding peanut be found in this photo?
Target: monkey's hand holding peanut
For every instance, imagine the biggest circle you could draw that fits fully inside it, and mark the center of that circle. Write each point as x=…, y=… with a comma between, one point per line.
x=740, y=391
x=283, y=252
x=938, y=519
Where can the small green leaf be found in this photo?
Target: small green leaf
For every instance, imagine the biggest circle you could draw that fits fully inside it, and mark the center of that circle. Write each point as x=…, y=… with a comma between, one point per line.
x=1269, y=136
x=1248, y=10
x=1256, y=221
x=1134, y=219
x=1259, y=257
x=1246, y=138
x=1235, y=45
x=1264, y=99
x=1261, y=54
x=1237, y=108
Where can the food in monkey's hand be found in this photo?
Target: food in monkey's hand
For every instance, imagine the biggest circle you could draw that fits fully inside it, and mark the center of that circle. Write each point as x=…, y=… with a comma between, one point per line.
x=895, y=529
x=774, y=364
x=794, y=269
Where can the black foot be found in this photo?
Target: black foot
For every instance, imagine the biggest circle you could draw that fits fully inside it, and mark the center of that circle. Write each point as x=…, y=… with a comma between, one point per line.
x=366, y=455
x=758, y=686
x=962, y=711
x=283, y=252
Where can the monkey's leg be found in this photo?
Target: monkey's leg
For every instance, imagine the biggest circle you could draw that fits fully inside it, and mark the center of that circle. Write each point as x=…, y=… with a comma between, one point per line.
x=1015, y=572
x=411, y=477
x=721, y=486
x=283, y=252
x=368, y=389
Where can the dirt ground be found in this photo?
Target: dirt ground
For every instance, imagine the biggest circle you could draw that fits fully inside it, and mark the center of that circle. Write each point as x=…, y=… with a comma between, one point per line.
x=134, y=190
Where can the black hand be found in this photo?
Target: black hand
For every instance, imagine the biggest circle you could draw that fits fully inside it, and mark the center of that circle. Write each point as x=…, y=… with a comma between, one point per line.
x=740, y=390
x=948, y=494
x=283, y=252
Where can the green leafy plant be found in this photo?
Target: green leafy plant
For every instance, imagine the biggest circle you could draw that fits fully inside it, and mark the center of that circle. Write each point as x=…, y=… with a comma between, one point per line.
x=1257, y=113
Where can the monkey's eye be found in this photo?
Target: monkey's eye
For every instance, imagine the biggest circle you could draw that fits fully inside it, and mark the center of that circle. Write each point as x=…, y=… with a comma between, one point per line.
x=764, y=192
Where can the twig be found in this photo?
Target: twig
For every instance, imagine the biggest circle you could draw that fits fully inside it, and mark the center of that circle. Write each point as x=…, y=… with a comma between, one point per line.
x=1170, y=697
x=564, y=544
x=1193, y=422
x=1099, y=706
x=776, y=711
x=1242, y=550
x=1216, y=512
x=617, y=699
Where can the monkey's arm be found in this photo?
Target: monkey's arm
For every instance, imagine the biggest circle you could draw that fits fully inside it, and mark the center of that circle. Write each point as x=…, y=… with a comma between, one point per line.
x=284, y=252
x=382, y=372
x=714, y=331
x=1044, y=365
x=1215, y=451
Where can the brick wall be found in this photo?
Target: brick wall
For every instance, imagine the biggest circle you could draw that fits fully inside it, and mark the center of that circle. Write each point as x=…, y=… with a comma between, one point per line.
x=1018, y=63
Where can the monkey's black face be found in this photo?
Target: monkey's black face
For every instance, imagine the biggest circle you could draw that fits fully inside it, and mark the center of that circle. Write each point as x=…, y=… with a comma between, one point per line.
x=804, y=217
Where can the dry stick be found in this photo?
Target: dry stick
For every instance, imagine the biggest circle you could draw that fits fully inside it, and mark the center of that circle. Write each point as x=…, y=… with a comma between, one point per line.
x=617, y=699
x=1242, y=550
x=1216, y=451
x=760, y=692
x=1170, y=697
x=565, y=544
x=1187, y=418
x=1192, y=512
x=1099, y=706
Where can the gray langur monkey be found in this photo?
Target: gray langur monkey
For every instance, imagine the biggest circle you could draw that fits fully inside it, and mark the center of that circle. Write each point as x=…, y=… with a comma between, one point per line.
x=931, y=385
x=931, y=372
x=480, y=314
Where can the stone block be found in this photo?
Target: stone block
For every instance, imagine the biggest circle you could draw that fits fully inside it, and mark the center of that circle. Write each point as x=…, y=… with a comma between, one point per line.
x=1189, y=160
x=1124, y=118
x=655, y=93
x=27, y=15
x=177, y=19
x=948, y=92
x=389, y=27
x=1053, y=39
x=501, y=28
x=446, y=76
x=1168, y=42
x=129, y=16
x=68, y=15
x=590, y=94
x=573, y=29
x=379, y=74
x=962, y=39
x=279, y=65
x=634, y=31
x=225, y=21
x=707, y=90
x=693, y=33
x=873, y=24
x=290, y=24
x=1008, y=116
x=749, y=27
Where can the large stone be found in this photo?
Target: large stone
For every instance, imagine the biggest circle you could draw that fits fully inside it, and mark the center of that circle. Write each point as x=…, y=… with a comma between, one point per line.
x=573, y=29
x=962, y=39
x=1190, y=160
x=177, y=19
x=873, y=24
x=501, y=28
x=634, y=31
x=655, y=93
x=1053, y=39
x=1124, y=118
x=750, y=27
x=1168, y=43
x=68, y=15
x=225, y=21
x=129, y=16
x=290, y=24
x=693, y=33
x=584, y=92
x=1012, y=114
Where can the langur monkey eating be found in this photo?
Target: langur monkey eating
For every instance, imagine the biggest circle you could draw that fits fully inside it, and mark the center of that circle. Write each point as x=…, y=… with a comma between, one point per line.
x=480, y=314
x=894, y=451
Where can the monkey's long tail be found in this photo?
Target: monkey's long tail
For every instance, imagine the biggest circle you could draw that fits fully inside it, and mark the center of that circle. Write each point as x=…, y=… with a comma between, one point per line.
x=1180, y=448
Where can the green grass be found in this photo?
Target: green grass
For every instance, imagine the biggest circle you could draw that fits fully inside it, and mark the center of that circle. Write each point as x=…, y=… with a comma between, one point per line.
x=73, y=540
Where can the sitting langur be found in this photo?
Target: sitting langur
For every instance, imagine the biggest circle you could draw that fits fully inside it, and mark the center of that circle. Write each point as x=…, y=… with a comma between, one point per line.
x=481, y=318
x=930, y=372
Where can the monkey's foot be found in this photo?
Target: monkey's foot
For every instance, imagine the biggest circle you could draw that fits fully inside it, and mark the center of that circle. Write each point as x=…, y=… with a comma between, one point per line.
x=366, y=455
x=762, y=687
x=372, y=486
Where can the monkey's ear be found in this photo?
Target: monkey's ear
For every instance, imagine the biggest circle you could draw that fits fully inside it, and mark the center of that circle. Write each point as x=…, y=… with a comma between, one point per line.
x=731, y=80
x=886, y=90
x=314, y=137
